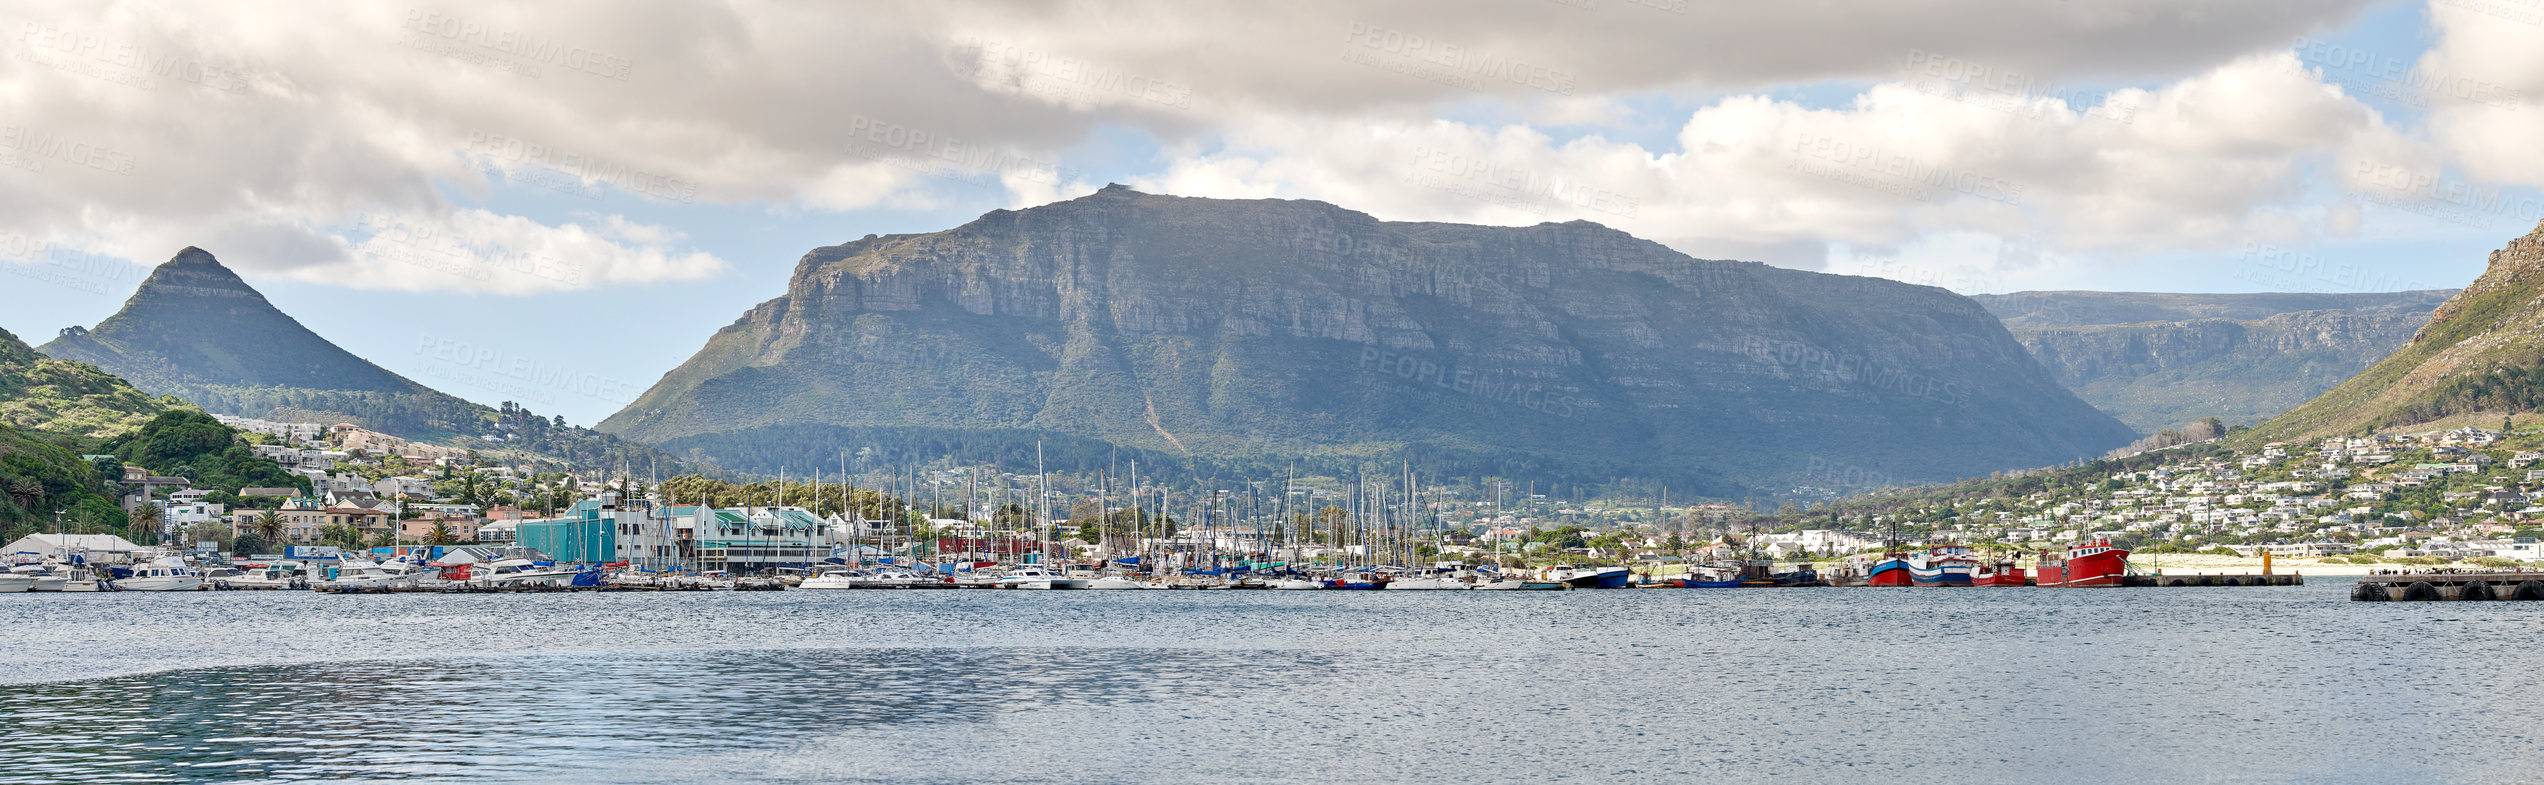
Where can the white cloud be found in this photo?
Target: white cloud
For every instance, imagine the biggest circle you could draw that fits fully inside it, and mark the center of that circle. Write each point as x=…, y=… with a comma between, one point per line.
x=2210, y=161
x=2485, y=84
x=259, y=126
x=480, y=251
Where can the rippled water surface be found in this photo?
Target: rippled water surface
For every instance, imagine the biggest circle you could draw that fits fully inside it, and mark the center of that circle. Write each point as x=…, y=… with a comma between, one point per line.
x=1787, y=686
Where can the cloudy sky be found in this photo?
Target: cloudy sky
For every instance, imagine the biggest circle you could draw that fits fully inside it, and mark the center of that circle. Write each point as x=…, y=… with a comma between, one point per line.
x=589, y=189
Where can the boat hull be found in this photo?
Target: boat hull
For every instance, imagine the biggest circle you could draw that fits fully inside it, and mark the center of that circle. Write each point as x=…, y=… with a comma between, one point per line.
x=1613, y=578
x=1947, y=575
x=1890, y=573
x=2100, y=571
x=12, y=584
x=158, y=583
x=2000, y=577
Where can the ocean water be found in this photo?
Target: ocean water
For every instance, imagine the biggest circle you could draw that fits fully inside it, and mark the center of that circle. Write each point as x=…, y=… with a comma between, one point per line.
x=2248, y=685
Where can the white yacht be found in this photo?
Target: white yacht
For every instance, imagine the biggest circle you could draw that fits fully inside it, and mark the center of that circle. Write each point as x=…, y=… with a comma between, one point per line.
x=1297, y=584
x=166, y=573
x=1121, y=582
x=352, y=573
x=831, y=579
x=1427, y=584
x=523, y=572
x=13, y=582
x=1039, y=578
x=49, y=576
x=268, y=577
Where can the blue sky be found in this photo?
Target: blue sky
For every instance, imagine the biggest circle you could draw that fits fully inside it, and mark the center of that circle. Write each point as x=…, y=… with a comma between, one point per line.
x=2282, y=209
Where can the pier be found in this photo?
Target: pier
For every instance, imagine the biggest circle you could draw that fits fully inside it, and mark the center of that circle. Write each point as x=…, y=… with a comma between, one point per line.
x=2449, y=586
x=2213, y=580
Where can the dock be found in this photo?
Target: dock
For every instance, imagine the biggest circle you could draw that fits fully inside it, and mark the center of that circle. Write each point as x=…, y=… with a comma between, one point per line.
x=2213, y=580
x=2449, y=586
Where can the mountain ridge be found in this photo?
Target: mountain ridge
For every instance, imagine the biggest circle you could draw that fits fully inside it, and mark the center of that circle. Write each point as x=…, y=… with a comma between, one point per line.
x=1292, y=327
x=2159, y=361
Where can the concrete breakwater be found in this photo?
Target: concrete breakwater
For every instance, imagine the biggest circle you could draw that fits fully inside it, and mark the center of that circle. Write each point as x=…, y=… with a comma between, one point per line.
x=2449, y=586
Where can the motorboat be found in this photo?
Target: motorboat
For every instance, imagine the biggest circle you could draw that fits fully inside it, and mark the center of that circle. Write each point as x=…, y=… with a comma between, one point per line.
x=1025, y=578
x=1503, y=584
x=1427, y=584
x=1120, y=582
x=1039, y=578
x=266, y=577
x=166, y=573
x=48, y=576
x=1594, y=577
x=13, y=582
x=219, y=576
x=524, y=572
x=1296, y=584
x=833, y=579
x=353, y=573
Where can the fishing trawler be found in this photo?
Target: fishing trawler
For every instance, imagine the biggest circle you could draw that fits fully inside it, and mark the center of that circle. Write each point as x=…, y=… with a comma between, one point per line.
x=1942, y=565
x=2000, y=572
x=2090, y=564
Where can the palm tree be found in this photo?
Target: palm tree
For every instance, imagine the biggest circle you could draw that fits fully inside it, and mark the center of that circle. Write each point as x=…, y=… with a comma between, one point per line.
x=440, y=535
x=142, y=522
x=340, y=535
x=268, y=526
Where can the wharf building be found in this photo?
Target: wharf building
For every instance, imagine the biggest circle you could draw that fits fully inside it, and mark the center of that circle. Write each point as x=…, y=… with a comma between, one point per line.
x=657, y=536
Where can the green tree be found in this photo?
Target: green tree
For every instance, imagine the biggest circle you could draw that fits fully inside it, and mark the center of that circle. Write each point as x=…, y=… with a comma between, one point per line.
x=268, y=526
x=141, y=524
x=340, y=535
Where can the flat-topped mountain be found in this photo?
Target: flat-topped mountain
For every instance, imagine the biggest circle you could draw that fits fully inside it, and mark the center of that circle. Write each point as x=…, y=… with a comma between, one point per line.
x=1273, y=330
x=2161, y=360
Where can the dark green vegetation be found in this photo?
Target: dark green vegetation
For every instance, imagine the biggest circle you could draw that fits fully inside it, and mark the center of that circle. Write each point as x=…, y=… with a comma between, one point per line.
x=2474, y=361
x=73, y=400
x=194, y=446
x=1275, y=331
x=2242, y=358
x=194, y=330
x=38, y=478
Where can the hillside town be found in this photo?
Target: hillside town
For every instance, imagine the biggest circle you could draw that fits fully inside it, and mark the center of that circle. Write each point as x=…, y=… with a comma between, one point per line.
x=2467, y=494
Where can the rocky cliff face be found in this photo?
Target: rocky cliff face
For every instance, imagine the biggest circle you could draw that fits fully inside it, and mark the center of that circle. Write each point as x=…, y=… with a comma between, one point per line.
x=2157, y=375
x=2480, y=356
x=1261, y=329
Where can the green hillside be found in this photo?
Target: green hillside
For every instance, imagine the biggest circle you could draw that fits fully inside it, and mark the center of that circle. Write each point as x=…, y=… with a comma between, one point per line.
x=70, y=400
x=2480, y=358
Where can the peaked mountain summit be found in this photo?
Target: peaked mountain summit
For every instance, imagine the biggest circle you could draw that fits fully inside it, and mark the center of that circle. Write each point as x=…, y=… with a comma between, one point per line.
x=196, y=331
x=2480, y=358
x=1267, y=331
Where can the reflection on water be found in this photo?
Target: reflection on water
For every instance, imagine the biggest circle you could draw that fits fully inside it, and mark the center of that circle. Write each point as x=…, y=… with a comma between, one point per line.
x=1801, y=686
x=548, y=717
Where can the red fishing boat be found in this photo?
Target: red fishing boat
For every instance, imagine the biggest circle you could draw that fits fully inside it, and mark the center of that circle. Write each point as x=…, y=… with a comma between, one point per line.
x=2091, y=563
x=2001, y=573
